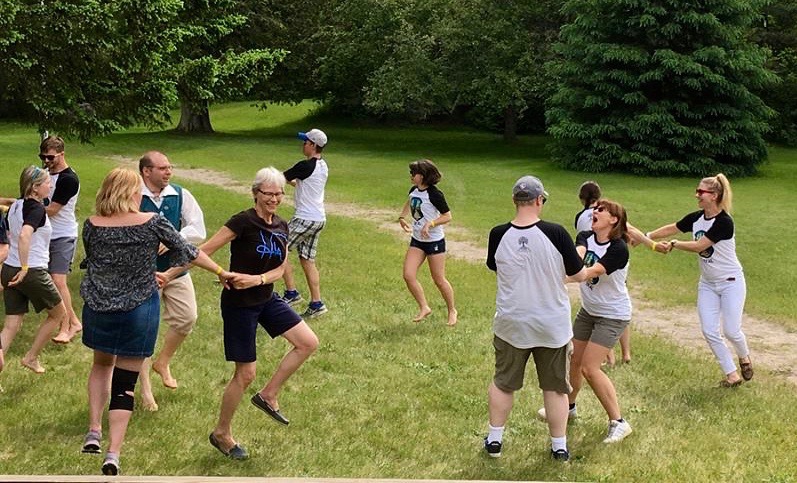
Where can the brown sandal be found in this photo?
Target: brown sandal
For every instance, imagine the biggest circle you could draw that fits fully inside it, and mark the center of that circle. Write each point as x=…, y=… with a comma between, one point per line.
x=746, y=370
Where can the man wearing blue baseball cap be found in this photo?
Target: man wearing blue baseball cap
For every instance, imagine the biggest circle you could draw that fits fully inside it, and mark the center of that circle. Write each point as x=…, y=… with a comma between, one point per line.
x=309, y=177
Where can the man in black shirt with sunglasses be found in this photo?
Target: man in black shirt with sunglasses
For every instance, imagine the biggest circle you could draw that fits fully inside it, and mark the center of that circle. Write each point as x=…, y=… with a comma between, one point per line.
x=61, y=211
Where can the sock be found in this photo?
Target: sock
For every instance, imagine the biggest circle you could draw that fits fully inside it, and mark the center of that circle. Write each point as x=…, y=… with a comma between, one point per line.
x=620, y=420
x=559, y=443
x=291, y=293
x=495, y=433
x=571, y=406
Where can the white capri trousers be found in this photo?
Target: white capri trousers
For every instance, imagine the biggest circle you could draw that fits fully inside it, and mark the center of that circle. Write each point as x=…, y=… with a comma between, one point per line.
x=723, y=302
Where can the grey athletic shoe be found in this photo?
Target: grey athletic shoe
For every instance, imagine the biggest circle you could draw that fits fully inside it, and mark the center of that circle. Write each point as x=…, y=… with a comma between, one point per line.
x=315, y=310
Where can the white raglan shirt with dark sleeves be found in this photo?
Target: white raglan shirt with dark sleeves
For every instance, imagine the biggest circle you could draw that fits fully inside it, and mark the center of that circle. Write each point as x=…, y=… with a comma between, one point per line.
x=311, y=179
x=531, y=263
x=607, y=295
x=425, y=206
x=718, y=262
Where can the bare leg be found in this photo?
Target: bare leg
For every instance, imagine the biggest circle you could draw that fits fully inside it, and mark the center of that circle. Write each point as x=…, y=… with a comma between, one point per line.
x=499, y=405
x=99, y=387
x=287, y=276
x=625, y=344
x=10, y=328
x=576, y=378
x=54, y=317
x=599, y=382
x=304, y=342
x=171, y=343
x=556, y=412
x=70, y=325
x=412, y=261
x=437, y=267
x=241, y=379
x=148, y=402
x=313, y=279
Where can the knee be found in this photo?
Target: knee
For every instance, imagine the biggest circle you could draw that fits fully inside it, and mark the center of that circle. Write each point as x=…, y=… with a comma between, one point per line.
x=308, y=345
x=245, y=376
x=590, y=373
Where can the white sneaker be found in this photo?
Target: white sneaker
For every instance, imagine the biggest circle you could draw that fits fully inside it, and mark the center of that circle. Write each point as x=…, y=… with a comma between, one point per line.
x=571, y=414
x=617, y=431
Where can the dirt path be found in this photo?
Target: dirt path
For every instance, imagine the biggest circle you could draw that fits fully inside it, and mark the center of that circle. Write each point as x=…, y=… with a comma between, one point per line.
x=771, y=345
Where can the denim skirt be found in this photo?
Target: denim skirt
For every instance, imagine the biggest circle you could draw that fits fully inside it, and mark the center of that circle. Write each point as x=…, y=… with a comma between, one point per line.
x=129, y=333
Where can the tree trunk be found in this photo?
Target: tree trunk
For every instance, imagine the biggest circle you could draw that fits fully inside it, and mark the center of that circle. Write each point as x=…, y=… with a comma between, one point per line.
x=510, y=124
x=193, y=121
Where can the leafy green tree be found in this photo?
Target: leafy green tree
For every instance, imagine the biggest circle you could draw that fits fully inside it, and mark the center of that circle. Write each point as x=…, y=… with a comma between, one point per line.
x=86, y=67
x=777, y=31
x=660, y=87
x=204, y=71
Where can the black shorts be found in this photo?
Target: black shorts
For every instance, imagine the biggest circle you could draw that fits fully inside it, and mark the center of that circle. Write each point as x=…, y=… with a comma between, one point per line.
x=430, y=248
x=240, y=326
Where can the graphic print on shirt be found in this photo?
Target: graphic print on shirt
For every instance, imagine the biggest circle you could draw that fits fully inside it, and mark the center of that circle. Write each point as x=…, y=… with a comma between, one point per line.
x=415, y=208
x=590, y=259
x=271, y=247
x=708, y=252
x=523, y=244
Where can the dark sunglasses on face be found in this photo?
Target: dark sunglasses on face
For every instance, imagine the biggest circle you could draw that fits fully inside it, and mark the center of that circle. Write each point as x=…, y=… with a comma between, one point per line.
x=600, y=209
x=48, y=157
x=701, y=192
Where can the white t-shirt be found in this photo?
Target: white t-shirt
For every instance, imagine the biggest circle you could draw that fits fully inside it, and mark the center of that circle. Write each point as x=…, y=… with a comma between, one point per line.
x=607, y=295
x=718, y=262
x=311, y=179
x=425, y=206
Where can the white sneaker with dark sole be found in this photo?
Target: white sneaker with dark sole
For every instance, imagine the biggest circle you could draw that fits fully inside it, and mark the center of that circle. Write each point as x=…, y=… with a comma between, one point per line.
x=492, y=448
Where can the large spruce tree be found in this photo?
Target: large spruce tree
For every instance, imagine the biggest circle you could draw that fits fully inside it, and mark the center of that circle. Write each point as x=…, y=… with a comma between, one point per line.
x=659, y=87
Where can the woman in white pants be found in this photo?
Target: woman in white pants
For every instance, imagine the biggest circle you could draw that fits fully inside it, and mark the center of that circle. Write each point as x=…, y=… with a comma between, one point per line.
x=721, y=290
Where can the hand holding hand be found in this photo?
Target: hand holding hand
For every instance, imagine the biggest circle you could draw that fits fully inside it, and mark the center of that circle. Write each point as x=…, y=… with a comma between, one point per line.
x=162, y=279
x=663, y=247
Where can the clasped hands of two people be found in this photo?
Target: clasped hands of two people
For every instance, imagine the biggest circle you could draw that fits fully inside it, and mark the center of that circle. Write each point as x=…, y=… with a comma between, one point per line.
x=637, y=238
x=234, y=280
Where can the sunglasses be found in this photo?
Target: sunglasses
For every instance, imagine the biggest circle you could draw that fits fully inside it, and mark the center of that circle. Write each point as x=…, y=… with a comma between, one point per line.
x=48, y=157
x=600, y=209
x=701, y=192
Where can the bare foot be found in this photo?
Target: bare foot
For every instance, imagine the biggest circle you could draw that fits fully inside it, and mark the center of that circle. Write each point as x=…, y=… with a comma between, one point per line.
x=61, y=338
x=452, y=318
x=422, y=314
x=33, y=366
x=74, y=328
x=148, y=402
x=165, y=374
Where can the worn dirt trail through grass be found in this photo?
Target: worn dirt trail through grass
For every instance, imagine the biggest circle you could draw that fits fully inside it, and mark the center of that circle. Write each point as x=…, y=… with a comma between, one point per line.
x=771, y=345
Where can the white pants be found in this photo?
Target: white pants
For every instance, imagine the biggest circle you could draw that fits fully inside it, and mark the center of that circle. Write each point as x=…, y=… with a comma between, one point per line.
x=723, y=301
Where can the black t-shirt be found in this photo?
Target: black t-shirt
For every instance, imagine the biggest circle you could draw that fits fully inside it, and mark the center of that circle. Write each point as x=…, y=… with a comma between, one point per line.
x=257, y=248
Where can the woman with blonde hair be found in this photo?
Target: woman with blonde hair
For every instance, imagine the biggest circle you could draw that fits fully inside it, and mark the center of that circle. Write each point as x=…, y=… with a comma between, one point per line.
x=121, y=308
x=721, y=290
x=24, y=274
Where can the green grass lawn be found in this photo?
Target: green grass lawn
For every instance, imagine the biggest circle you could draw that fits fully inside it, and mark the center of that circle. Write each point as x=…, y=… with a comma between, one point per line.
x=384, y=397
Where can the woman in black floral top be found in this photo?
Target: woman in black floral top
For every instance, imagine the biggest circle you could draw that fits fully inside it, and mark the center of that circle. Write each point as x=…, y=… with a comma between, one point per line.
x=121, y=308
x=258, y=239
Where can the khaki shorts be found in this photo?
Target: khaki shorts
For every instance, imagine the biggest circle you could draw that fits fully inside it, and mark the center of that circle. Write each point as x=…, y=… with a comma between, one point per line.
x=552, y=364
x=36, y=288
x=598, y=330
x=178, y=300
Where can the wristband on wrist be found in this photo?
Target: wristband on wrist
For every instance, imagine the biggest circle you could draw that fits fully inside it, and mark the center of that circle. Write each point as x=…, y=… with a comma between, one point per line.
x=219, y=270
x=262, y=279
x=24, y=267
x=653, y=247
x=672, y=244
x=431, y=223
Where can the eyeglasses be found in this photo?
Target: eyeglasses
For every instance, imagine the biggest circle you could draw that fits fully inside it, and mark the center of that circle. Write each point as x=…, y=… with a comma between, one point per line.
x=270, y=195
x=600, y=209
x=544, y=199
x=161, y=168
x=48, y=157
x=701, y=192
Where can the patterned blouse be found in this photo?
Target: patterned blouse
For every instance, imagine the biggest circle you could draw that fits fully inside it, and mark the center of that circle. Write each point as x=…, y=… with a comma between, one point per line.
x=120, y=262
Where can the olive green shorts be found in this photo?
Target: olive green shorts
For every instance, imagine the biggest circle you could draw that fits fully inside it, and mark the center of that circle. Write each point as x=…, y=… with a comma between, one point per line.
x=552, y=364
x=36, y=288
